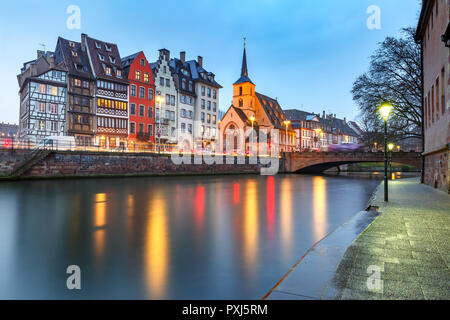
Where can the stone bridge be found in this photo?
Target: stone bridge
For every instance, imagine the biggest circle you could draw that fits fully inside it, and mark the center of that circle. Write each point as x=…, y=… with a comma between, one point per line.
x=317, y=162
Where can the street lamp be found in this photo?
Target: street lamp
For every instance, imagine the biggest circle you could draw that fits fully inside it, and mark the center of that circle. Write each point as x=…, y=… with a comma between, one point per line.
x=252, y=119
x=385, y=112
x=390, y=147
x=160, y=100
x=286, y=123
x=376, y=145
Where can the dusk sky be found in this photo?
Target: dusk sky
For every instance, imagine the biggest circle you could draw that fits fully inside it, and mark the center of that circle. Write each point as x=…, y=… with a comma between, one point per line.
x=305, y=53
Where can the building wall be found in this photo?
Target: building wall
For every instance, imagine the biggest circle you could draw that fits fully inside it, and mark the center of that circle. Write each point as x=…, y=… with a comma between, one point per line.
x=136, y=120
x=210, y=128
x=437, y=96
x=168, y=121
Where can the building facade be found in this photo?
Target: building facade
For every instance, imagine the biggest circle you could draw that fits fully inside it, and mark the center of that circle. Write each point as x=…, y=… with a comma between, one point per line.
x=43, y=91
x=166, y=113
x=186, y=100
x=142, y=99
x=111, y=93
x=206, y=115
x=251, y=109
x=433, y=33
x=80, y=112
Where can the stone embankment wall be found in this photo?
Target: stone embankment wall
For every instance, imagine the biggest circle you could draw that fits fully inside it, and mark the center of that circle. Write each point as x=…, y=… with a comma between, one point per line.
x=11, y=159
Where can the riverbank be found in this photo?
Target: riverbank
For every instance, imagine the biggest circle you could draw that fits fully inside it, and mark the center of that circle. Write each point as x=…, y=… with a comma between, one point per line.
x=409, y=243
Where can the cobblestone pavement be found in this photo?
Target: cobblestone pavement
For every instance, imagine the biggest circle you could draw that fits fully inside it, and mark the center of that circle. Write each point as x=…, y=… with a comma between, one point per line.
x=409, y=243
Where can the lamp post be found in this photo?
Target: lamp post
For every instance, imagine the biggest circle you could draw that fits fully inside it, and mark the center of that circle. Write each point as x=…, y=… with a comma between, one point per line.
x=286, y=123
x=252, y=119
x=376, y=145
x=385, y=111
x=160, y=100
x=390, y=147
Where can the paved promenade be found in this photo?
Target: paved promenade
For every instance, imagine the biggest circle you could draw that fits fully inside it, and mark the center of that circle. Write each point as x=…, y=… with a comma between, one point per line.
x=403, y=252
x=409, y=242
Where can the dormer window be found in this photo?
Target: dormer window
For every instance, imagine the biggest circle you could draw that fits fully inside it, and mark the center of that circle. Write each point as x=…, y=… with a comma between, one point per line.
x=108, y=71
x=112, y=59
x=74, y=53
x=71, y=44
x=98, y=45
x=78, y=67
x=102, y=58
x=108, y=48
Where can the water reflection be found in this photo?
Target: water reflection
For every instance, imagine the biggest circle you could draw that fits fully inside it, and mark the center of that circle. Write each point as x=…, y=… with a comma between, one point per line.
x=286, y=216
x=157, y=247
x=251, y=223
x=319, y=207
x=99, y=225
x=270, y=206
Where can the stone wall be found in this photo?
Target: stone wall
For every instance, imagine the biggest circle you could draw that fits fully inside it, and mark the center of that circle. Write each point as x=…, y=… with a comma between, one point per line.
x=86, y=164
x=437, y=174
x=11, y=159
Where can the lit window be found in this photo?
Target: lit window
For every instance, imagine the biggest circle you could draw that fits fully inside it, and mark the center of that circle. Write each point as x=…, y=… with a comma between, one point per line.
x=146, y=77
x=108, y=71
x=138, y=75
x=77, y=82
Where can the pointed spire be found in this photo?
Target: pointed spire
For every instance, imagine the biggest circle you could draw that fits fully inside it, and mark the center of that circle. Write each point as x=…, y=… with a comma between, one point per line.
x=244, y=70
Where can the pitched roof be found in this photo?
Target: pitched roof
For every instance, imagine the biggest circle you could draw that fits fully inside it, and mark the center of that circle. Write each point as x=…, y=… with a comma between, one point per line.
x=75, y=58
x=102, y=55
x=196, y=72
x=181, y=71
x=273, y=111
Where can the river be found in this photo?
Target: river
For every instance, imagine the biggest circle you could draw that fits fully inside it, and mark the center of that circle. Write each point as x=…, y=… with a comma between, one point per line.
x=217, y=237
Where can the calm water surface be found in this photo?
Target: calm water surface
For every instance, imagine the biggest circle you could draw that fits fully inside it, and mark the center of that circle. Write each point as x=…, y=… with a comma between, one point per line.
x=228, y=237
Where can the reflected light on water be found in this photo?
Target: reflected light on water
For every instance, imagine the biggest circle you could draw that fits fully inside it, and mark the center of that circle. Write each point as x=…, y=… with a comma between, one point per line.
x=286, y=216
x=251, y=223
x=319, y=207
x=99, y=224
x=236, y=193
x=199, y=207
x=270, y=205
x=157, y=247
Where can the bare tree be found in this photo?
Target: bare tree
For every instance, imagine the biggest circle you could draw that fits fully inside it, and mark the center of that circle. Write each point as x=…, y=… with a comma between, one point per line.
x=394, y=75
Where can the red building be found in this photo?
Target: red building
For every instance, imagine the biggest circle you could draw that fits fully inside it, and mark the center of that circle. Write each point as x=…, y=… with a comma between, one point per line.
x=142, y=99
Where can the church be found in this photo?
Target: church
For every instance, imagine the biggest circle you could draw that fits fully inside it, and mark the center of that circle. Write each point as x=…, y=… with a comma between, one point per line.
x=252, y=109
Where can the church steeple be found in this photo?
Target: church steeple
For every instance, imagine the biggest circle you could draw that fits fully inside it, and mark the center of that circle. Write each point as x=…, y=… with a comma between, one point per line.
x=244, y=71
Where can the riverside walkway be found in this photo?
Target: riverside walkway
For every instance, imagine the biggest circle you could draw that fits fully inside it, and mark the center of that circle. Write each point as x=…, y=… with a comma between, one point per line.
x=403, y=254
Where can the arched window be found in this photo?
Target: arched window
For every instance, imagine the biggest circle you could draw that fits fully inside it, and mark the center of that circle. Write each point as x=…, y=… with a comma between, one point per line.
x=241, y=103
x=240, y=91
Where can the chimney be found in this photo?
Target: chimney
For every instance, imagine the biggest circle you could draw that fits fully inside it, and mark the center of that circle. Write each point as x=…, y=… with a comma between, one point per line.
x=183, y=56
x=83, y=41
x=200, y=61
x=345, y=120
x=40, y=53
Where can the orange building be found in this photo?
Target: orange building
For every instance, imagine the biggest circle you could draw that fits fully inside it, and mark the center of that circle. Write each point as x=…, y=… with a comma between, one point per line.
x=252, y=108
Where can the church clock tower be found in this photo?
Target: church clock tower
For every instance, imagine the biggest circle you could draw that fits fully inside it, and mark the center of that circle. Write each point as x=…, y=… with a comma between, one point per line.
x=244, y=96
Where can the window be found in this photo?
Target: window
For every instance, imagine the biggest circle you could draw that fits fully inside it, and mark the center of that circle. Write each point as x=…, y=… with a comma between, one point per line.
x=190, y=114
x=214, y=119
x=168, y=99
x=101, y=57
x=150, y=129
x=172, y=100
x=71, y=44
x=214, y=94
x=77, y=82
x=168, y=83
x=183, y=113
x=53, y=108
x=74, y=53
x=190, y=128
x=150, y=94
x=86, y=84
x=119, y=74
x=54, y=91
x=150, y=112
x=183, y=99
x=202, y=116
x=214, y=106
x=209, y=92
x=98, y=45
x=203, y=104
x=133, y=109
x=42, y=88
x=183, y=84
x=133, y=90
x=209, y=118
x=161, y=81
x=141, y=128
x=132, y=127
x=42, y=107
x=241, y=103
x=41, y=125
x=172, y=115
x=141, y=111
x=164, y=69
x=191, y=86
x=108, y=71
x=183, y=127
x=146, y=77
x=203, y=90
x=209, y=106
x=54, y=126
x=138, y=75
x=142, y=62
x=112, y=59
x=142, y=92
x=240, y=91
x=107, y=47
